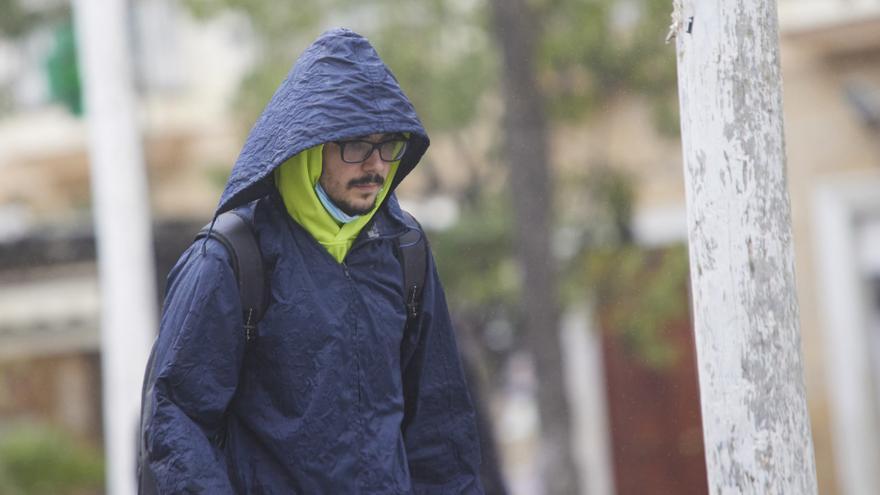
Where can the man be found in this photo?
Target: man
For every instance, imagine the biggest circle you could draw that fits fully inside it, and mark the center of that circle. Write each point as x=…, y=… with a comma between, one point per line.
x=332, y=395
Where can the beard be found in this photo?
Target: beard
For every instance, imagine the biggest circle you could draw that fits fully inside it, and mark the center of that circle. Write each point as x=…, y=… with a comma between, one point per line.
x=353, y=210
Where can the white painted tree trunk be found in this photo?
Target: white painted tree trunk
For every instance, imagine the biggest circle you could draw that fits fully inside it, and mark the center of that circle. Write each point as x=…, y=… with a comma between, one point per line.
x=755, y=419
x=121, y=211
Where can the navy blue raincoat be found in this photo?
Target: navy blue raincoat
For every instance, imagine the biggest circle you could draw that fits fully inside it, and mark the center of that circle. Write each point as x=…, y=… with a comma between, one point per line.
x=332, y=397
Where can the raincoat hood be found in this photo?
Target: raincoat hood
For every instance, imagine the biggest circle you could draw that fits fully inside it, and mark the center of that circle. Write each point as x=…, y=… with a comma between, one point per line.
x=339, y=88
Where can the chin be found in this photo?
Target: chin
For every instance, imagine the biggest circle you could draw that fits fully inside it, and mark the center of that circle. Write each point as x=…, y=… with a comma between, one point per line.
x=362, y=207
x=351, y=209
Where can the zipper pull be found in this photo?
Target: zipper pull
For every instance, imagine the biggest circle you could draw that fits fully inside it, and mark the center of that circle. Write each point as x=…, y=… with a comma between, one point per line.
x=412, y=308
x=250, y=329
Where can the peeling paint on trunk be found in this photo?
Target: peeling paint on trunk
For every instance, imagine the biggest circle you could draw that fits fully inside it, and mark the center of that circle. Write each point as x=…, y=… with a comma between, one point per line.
x=756, y=424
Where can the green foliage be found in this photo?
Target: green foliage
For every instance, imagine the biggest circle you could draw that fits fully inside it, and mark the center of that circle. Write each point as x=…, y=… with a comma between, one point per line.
x=441, y=52
x=63, y=69
x=613, y=193
x=596, y=208
x=475, y=257
x=6, y=98
x=256, y=89
x=16, y=20
x=273, y=21
x=38, y=460
x=217, y=174
x=444, y=69
x=593, y=50
x=437, y=49
x=282, y=32
x=641, y=294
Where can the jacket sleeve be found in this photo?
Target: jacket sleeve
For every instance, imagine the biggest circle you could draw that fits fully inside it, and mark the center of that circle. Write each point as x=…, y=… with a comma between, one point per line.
x=198, y=355
x=439, y=424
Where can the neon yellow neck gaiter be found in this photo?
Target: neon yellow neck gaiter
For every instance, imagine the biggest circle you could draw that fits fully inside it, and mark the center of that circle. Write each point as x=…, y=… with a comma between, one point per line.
x=296, y=179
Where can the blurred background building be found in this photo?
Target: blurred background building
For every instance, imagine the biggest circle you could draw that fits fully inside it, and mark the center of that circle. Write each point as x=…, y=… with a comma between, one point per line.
x=205, y=68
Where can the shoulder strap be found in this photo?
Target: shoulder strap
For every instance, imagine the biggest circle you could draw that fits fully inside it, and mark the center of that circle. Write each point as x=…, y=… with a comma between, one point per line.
x=146, y=480
x=412, y=247
x=237, y=235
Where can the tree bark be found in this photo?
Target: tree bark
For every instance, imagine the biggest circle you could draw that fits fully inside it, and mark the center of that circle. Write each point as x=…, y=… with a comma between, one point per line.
x=755, y=420
x=525, y=150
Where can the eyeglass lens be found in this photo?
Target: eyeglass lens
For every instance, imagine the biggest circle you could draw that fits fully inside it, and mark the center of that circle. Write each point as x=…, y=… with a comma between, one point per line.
x=358, y=151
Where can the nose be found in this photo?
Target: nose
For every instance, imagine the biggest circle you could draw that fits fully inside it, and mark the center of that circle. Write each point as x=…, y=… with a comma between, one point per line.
x=374, y=161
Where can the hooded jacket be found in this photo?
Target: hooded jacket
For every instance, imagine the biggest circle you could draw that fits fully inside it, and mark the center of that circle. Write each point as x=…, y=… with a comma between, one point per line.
x=333, y=396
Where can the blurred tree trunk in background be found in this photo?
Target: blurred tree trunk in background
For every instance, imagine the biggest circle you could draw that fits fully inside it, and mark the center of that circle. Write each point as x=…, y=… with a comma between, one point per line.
x=525, y=152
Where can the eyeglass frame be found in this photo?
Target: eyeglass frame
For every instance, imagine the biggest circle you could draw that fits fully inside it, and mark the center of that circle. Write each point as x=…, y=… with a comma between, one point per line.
x=373, y=147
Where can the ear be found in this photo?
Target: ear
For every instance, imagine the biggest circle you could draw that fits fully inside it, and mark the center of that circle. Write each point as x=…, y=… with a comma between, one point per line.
x=326, y=149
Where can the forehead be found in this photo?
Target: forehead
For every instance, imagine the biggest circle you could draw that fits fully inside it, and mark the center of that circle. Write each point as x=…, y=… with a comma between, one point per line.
x=377, y=138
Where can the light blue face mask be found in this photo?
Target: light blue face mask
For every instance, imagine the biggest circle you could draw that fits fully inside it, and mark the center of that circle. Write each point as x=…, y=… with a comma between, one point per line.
x=334, y=211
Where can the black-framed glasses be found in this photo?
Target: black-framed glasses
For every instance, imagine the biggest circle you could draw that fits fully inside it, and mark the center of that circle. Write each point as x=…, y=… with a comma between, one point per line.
x=358, y=150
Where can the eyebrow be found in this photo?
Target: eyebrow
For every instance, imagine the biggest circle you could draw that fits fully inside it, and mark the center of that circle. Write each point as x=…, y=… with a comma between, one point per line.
x=384, y=137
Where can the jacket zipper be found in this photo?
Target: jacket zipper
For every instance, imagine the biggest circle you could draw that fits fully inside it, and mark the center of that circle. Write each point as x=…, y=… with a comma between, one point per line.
x=357, y=343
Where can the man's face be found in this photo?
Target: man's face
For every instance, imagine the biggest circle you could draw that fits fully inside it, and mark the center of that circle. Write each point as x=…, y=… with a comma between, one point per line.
x=354, y=187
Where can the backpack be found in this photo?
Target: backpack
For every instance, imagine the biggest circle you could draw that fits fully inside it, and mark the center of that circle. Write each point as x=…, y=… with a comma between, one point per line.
x=235, y=232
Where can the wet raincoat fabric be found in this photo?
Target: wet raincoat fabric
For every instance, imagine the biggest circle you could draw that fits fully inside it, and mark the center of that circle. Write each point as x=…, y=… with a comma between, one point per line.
x=332, y=396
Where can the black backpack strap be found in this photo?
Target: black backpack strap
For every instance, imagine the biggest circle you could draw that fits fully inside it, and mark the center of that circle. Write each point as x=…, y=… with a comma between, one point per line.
x=413, y=251
x=236, y=234
x=145, y=478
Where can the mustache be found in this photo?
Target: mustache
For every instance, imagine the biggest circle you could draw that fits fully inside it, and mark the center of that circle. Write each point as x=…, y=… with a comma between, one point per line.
x=367, y=179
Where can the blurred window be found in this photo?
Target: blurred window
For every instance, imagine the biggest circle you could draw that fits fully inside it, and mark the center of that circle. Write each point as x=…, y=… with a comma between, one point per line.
x=869, y=260
x=864, y=98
